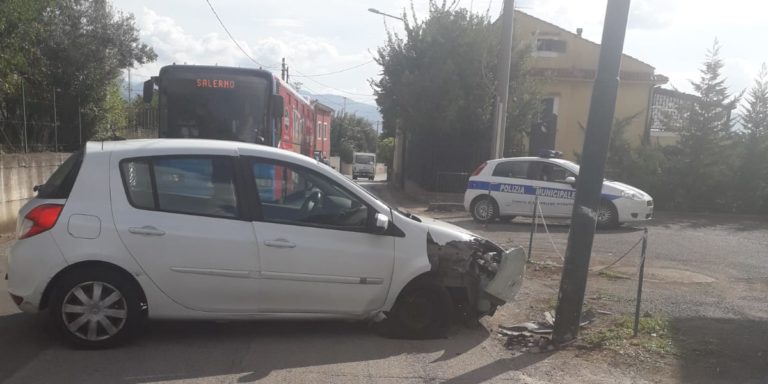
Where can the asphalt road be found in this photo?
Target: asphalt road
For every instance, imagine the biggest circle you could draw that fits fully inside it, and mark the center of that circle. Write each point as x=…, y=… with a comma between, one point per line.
x=703, y=266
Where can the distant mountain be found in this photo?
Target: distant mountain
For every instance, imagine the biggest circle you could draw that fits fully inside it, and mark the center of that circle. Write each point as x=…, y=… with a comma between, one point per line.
x=367, y=111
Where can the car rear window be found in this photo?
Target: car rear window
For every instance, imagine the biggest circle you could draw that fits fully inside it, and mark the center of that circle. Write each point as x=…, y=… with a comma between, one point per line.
x=515, y=169
x=195, y=185
x=60, y=184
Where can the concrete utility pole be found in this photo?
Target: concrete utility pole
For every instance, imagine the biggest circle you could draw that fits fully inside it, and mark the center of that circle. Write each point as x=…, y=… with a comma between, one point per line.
x=590, y=181
x=502, y=81
x=282, y=70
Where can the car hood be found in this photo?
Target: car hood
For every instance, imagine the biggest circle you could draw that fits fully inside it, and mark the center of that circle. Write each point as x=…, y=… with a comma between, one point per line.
x=615, y=187
x=443, y=232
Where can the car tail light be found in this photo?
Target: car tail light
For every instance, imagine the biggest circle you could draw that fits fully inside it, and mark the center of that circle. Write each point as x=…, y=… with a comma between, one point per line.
x=40, y=219
x=479, y=169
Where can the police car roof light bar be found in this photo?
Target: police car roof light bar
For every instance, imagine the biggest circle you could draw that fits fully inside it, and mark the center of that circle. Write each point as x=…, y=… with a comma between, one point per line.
x=550, y=154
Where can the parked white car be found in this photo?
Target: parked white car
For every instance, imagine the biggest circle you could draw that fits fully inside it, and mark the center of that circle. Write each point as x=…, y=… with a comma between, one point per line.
x=198, y=229
x=506, y=188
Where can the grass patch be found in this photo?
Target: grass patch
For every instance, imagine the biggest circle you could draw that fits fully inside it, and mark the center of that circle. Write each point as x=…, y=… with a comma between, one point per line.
x=653, y=335
x=552, y=304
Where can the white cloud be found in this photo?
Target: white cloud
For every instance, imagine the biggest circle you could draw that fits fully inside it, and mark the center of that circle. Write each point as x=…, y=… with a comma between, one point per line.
x=283, y=23
x=304, y=54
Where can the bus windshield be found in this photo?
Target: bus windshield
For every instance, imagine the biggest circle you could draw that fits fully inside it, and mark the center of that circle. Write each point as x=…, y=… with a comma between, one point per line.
x=224, y=107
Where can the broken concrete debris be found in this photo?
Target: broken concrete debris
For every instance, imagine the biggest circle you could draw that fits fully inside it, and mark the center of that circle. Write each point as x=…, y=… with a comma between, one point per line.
x=535, y=336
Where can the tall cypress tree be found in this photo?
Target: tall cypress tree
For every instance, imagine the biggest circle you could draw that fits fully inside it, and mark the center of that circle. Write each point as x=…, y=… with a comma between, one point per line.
x=703, y=167
x=752, y=183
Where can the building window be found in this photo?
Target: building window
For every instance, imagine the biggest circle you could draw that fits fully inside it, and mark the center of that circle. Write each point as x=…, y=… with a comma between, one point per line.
x=550, y=45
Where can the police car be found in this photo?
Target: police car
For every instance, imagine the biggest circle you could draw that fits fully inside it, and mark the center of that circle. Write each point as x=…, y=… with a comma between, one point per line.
x=506, y=188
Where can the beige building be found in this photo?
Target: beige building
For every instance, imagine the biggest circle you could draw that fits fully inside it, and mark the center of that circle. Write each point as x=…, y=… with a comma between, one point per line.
x=566, y=65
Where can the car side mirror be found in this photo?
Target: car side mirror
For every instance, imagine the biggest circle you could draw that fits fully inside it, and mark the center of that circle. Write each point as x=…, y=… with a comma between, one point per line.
x=570, y=180
x=380, y=223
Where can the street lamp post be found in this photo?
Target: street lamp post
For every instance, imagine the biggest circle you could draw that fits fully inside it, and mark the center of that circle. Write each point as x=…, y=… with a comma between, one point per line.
x=376, y=11
x=399, y=133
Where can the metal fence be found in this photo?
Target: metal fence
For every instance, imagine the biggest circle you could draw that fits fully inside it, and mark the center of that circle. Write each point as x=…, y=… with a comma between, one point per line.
x=33, y=135
x=452, y=182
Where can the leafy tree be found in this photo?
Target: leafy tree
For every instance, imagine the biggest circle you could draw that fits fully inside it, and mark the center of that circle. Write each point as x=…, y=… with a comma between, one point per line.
x=75, y=48
x=437, y=86
x=113, y=113
x=385, y=150
x=351, y=133
x=620, y=156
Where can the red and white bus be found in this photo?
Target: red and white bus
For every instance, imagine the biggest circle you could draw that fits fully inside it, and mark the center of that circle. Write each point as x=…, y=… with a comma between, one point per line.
x=241, y=104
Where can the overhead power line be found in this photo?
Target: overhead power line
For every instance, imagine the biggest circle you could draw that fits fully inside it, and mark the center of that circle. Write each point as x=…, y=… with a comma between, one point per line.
x=235, y=41
x=336, y=89
x=339, y=71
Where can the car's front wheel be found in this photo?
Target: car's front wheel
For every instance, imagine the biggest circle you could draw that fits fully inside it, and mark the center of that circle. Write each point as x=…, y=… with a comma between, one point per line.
x=96, y=308
x=607, y=216
x=484, y=209
x=424, y=310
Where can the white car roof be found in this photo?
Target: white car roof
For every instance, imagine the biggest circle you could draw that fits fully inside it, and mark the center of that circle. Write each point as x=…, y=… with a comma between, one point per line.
x=147, y=147
x=531, y=158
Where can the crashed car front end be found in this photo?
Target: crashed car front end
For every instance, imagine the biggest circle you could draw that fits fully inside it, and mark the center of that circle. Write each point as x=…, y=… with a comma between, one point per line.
x=488, y=274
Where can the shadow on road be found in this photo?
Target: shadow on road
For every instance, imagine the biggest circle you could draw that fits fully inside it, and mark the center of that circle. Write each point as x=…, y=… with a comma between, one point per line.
x=731, y=222
x=719, y=350
x=249, y=350
x=22, y=338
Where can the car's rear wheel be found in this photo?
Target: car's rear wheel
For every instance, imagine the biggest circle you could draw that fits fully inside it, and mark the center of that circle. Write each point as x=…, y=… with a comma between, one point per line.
x=484, y=209
x=607, y=216
x=423, y=310
x=96, y=308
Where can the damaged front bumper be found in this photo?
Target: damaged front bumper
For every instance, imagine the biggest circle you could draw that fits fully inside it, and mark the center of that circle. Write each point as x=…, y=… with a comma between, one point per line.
x=509, y=277
x=489, y=274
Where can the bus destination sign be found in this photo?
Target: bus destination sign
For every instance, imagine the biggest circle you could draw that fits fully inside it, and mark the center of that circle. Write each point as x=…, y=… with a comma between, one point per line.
x=213, y=83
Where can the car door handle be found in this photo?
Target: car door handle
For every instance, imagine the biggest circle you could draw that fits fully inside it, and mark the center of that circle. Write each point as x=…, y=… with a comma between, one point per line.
x=279, y=243
x=146, y=230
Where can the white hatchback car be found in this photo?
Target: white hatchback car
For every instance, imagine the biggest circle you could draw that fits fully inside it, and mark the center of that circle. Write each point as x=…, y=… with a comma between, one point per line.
x=199, y=229
x=505, y=188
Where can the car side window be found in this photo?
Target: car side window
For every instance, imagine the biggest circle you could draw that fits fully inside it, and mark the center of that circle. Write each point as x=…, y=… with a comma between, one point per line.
x=292, y=194
x=514, y=169
x=197, y=185
x=554, y=173
x=138, y=183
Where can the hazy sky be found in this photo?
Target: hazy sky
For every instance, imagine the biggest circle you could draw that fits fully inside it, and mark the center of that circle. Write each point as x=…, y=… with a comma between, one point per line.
x=317, y=37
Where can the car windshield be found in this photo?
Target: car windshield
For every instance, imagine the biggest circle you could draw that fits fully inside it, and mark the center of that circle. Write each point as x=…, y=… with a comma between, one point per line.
x=364, y=159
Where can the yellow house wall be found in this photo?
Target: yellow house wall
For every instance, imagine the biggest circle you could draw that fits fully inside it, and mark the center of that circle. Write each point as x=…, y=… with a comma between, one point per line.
x=573, y=95
x=573, y=98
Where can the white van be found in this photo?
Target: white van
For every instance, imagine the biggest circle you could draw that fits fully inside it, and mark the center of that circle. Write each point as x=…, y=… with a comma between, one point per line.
x=364, y=165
